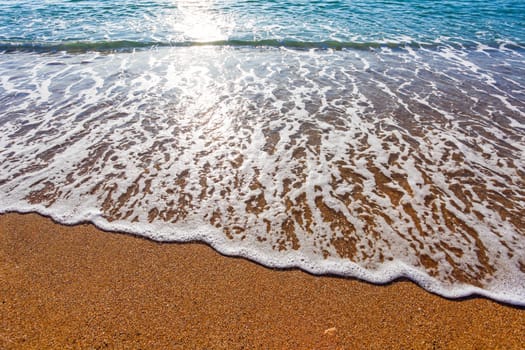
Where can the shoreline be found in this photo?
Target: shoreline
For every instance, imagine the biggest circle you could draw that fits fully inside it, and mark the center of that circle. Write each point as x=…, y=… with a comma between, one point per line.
x=78, y=286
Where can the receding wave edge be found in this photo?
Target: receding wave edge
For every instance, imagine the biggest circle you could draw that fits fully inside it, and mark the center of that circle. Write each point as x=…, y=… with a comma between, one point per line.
x=389, y=272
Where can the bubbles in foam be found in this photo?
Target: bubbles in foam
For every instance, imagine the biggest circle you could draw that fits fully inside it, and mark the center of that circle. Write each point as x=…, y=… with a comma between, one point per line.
x=374, y=164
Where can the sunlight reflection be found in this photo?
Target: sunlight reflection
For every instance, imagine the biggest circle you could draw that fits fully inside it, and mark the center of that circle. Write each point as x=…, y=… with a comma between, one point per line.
x=201, y=22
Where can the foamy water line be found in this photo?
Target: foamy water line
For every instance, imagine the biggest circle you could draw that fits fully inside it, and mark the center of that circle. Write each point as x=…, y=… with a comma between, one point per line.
x=376, y=163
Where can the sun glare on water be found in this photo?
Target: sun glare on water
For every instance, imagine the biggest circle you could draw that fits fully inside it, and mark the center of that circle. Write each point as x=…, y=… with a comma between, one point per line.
x=200, y=22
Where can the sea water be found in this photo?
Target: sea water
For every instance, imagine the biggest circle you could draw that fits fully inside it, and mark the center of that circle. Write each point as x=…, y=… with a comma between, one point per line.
x=370, y=139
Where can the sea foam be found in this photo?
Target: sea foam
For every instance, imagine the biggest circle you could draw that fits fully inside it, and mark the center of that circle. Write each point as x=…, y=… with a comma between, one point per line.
x=374, y=164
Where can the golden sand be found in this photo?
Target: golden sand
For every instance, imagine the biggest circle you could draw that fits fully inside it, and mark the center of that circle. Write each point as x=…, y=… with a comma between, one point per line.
x=79, y=287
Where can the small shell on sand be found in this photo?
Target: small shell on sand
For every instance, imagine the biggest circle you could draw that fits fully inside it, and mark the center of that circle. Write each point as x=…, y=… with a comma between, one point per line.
x=330, y=331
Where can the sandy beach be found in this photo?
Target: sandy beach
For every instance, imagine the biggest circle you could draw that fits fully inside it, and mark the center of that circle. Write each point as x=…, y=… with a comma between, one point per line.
x=329, y=145
x=79, y=287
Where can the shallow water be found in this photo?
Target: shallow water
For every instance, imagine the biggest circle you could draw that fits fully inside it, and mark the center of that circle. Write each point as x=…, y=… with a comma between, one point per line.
x=362, y=155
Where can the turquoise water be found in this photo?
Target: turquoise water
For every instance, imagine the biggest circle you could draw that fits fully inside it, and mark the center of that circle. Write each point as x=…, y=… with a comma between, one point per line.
x=370, y=139
x=126, y=23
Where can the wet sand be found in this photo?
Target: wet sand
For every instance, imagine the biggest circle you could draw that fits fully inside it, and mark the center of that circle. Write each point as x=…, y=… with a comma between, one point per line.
x=79, y=287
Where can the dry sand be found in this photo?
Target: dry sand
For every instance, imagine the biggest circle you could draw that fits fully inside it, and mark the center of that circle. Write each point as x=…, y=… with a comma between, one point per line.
x=79, y=287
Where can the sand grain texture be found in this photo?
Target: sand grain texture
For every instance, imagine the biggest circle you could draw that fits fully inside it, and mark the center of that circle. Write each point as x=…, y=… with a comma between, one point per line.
x=79, y=287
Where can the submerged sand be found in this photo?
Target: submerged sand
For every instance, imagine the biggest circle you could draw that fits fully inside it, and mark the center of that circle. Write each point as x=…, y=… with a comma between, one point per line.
x=79, y=287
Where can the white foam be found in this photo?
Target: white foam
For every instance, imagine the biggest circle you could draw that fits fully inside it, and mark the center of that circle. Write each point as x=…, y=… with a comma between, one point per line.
x=218, y=145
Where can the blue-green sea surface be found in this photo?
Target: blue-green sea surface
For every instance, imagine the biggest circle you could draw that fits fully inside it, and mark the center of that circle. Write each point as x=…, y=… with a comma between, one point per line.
x=251, y=22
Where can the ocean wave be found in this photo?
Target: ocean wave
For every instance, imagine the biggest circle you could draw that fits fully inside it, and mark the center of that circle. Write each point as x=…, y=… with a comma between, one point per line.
x=130, y=45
